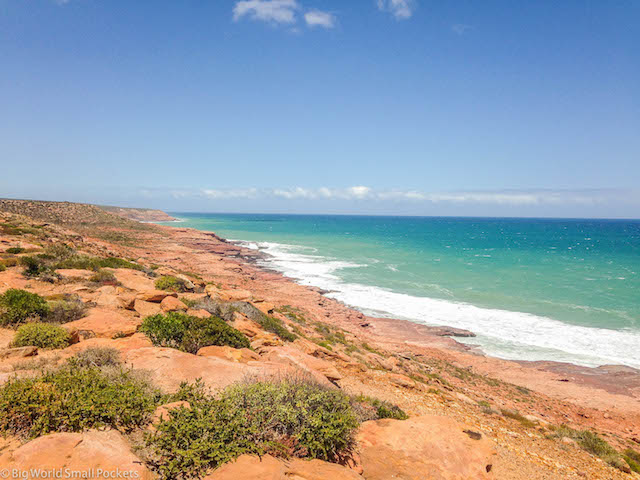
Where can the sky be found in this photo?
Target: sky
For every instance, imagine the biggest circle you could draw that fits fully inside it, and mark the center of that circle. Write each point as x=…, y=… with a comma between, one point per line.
x=404, y=107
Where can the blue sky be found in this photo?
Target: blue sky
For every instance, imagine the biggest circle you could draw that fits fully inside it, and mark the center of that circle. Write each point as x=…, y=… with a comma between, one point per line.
x=372, y=106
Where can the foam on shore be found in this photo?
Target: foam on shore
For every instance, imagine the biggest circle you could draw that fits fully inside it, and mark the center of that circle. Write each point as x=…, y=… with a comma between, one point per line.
x=500, y=333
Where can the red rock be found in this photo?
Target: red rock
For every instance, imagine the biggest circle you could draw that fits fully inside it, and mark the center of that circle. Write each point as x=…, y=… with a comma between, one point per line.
x=242, y=355
x=402, y=380
x=146, y=309
x=134, y=279
x=155, y=296
x=74, y=273
x=172, y=304
x=79, y=452
x=424, y=448
x=321, y=370
x=201, y=313
x=105, y=323
x=249, y=467
x=18, y=352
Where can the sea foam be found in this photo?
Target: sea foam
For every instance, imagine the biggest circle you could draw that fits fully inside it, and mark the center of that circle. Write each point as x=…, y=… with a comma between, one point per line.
x=500, y=333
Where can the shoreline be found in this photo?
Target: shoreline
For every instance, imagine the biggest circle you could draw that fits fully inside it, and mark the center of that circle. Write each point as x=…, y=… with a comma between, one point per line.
x=400, y=331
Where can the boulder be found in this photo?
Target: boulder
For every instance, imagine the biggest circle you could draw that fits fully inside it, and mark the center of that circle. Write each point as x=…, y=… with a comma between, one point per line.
x=146, y=309
x=241, y=355
x=134, y=279
x=104, y=323
x=172, y=304
x=424, y=448
x=18, y=352
x=321, y=370
x=248, y=467
x=402, y=380
x=89, y=453
x=155, y=296
x=200, y=313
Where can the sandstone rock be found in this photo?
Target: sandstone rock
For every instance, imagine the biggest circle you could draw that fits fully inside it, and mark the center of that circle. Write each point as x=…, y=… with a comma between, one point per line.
x=169, y=367
x=172, y=304
x=155, y=296
x=146, y=309
x=235, y=295
x=198, y=313
x=250, y=328
x=249, y=467
x=424, y=448
x=80, y=452
x=134, y=279
x=264, y=339
x=127, y=301
x=18, y=352
x=105, y=323
x=321, y=370
x=241, y=355
x=265, y=307
x=402, y=380
x=75, y=273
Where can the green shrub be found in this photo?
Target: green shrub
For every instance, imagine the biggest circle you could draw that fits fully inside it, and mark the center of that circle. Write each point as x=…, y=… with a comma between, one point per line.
x=633, y=459
x=592, y=443
x=104, y=277
x=2, y=267
x=34, y=266
x=73, y=399
x=41, y=335
x=171, y=284
x=97, y=357
x=14, y=250
x=517, y=416
x=66, y=310
x=369, y=408
x=285, y=418
x=275, y=325
x=16, y=306
x=190, y=334
x=9, y=262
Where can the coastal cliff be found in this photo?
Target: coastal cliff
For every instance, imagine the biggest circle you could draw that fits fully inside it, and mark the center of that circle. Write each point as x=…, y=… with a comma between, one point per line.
x=412, y=402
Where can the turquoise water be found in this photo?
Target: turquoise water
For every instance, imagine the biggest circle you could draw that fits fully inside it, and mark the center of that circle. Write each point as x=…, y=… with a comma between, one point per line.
x=534, y=289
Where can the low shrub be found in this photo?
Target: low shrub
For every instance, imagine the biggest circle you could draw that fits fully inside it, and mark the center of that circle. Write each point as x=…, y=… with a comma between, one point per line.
x=368, y=408
x=34, y=266
x=2, y=267
x=14, y=250
x=41, y=335
x=171, y=284
x=66, y=309
x=288, y=418
x=74, y=399
x=104, y=277
x=17, y=306
x=97, y=357
x=592, y=443
x=190, y=334
x=633, y=459
x=275, y=325
x=9, y=262
x=518, y=417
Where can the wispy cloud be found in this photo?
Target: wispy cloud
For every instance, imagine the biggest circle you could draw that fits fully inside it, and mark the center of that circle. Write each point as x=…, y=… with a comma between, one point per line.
x=317, y=18
x=460, y=28
x=400, y=9
x=271, y=11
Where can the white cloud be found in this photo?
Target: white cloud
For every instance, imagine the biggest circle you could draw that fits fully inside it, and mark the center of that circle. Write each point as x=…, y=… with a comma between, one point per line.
x=359, y=191
x=316, y=18
x=234, y=193
x=272, y=11
x=460, y=28
x=400, y=9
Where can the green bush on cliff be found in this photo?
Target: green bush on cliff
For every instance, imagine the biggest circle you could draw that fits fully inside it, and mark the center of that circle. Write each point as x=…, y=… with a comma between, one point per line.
x=275, y=325
x=74, y=399
x=41, y=335
x=190, y=334
x=368, y=408
x=288, y=418
x=171, y=284
x=592, y=443
x=17, y=306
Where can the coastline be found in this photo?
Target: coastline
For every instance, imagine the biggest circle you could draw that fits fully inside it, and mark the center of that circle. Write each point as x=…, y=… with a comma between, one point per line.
x=424, y=370
x=399, y=333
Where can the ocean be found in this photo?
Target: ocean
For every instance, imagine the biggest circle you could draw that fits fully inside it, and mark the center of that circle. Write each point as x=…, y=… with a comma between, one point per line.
x=530, y=289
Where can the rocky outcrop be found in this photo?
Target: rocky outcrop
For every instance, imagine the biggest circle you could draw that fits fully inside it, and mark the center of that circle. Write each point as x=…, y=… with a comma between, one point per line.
x=249, y=467
x=86, y=453
x=172, y=304
x=424, y=448
x=105, y=323
x=239, y=355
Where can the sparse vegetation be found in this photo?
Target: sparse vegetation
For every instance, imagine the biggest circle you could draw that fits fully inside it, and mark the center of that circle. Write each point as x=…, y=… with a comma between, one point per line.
x=633, y=459
x=18, y=306
x=592, y=443
x=275, y=325
x=14, y=250
x=67, y=309
x=290, y=418
x=73, y=399
x=517, y=416
x=104, y=277
x=369, y=408
x=171, y=284
x=41, y=335
x=190, y=334
x=98, y=357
